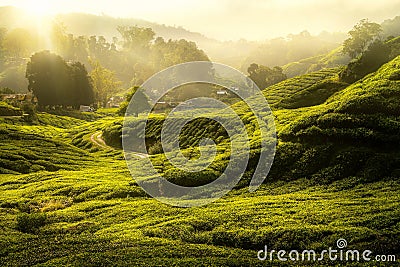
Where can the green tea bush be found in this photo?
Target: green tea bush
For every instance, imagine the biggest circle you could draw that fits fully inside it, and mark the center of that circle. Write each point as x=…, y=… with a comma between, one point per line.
x=156, y=148
x=112, y=135
x=313, y=95
x=8, y=110
x=30, y=223
x=189, y=179
x=30, y=110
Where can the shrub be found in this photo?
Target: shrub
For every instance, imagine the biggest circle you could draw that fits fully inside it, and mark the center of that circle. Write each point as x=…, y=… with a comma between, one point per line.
x=30, y=110
x=30, y=223
x=156, y=148
x=8, y=110
x=376, y=55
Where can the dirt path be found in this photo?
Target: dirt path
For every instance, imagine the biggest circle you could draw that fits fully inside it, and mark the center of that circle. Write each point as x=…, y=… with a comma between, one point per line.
x=140, y=155
x=97, y=139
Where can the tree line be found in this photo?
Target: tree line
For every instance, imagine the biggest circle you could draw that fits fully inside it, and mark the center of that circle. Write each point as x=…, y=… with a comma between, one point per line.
x=113, y=65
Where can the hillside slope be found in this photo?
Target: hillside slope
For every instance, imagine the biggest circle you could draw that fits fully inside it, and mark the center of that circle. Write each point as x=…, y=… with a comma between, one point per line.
x=332, y=59
x=327, y=130
x=354, y=133
x=335, y=175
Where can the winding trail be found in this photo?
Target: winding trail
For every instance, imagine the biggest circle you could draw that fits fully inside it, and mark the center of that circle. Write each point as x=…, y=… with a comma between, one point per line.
x=98, y=140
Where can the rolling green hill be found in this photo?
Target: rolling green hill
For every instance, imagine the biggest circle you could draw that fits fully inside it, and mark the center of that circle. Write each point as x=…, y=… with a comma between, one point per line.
x=333, y=59
x=318, y=118
x=31, y=148
x=335, y=175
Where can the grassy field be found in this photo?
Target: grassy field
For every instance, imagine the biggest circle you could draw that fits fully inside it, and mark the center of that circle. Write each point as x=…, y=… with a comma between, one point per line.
x=65, y=200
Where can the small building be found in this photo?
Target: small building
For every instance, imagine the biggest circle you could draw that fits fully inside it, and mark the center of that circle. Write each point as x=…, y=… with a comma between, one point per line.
x=84, y=108
x=222, y=92
x=115, y=101
x=162, y=106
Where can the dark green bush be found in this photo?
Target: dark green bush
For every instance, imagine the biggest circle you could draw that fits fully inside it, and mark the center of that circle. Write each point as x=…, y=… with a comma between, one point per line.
x=30, y=223
x=156, y=148
x=376, y=55
x=8, y=110
x=30, y=110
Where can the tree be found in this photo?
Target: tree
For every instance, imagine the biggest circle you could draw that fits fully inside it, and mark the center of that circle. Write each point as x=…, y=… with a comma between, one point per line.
x=3, y=32
x=371, y=60
x=136, y=38
x=47, y=75
x=55, y=83
x=6, y=90
x=14, y=77
x=140, y=105
x=264, y=76
x=363, y=34
x=19, y=43
x=67, y=45
x=104, y=82
x=82, y=86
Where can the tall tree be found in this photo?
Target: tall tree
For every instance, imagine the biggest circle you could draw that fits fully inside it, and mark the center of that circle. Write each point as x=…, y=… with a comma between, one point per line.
x=141, y=102
x=363, y=34
x=47, y=75
x=19, y=43
x=136, y=38
x=264, y=76
x=3, y=32
x=104, y=82
x=82, y=87
x=55, y=83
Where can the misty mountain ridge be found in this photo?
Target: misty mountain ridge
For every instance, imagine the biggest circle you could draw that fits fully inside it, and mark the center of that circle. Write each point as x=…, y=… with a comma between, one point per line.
x=235, y=53
x=239, y=54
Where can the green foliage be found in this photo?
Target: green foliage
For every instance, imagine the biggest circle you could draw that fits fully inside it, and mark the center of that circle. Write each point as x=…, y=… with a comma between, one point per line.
x=264, y=76
x=358, y=124
x=314, y=95
x=19, y=43
x=332, y=59
x=30, y=110
x=8, y=110
x=30, y=223
x=156, y=148
x=294, y=89
x=335, y=176
x=369, y=51
x=104, y=82
x=140, y=56
x=55, y=83
x=363, y=34
x=141, y=102
x=32, y=148
x=6, y=90
x=136, y=38
x=371, y=59
x=287, y=215
x=112, y=134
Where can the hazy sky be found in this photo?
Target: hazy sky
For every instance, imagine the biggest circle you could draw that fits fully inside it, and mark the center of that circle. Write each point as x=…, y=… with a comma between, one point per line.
x=232, y=19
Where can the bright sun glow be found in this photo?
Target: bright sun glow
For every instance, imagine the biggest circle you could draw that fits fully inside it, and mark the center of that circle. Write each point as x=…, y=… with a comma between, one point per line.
x=39, y=7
